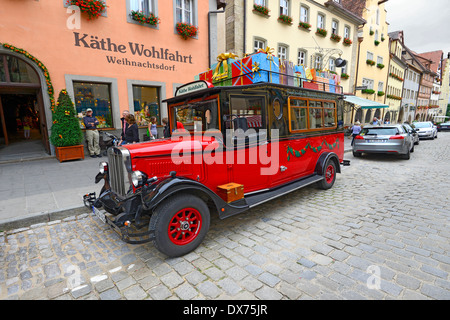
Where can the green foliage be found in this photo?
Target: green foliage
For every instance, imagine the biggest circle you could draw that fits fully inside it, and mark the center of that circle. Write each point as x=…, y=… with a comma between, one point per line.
x=66, y=129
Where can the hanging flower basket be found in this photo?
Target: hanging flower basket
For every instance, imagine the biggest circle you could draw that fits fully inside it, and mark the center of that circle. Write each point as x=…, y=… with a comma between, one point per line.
x=335, y=37
x=186, y=30
x=93, y=8
x=321, y=32
x=304, y=25
x=285, y=19
x=140, y=17
x=347, y=42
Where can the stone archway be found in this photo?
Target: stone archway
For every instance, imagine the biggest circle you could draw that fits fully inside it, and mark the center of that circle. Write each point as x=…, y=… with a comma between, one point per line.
x=31, y=77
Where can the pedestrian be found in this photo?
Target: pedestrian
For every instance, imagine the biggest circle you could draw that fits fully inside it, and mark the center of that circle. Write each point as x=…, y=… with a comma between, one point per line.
x=375, y=121
x=92, y=136
x=356, y=130
x=152, y=131
x=166, y=132
x=124, y=123
x=386, y=121
x=27, y=122
x=132, y=132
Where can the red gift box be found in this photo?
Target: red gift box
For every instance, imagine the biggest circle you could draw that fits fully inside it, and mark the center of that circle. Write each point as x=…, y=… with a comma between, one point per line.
x=241, y=72
x=207, y=76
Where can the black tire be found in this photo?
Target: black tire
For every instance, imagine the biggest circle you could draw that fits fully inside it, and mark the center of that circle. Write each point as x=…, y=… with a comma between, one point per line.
x=406, y=156
x=329, y=176
x=357, y=154
x=174, y=236
x=412, y=150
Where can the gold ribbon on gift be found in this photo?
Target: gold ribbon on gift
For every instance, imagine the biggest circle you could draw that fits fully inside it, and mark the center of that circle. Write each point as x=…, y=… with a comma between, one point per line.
x=222, y=59
x=255, y=69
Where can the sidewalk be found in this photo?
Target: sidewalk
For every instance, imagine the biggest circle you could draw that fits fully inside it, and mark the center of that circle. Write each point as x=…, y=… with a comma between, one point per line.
x=44, y=190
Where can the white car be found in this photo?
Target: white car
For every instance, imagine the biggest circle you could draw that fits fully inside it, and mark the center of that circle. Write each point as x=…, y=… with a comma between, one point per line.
x=426, y=130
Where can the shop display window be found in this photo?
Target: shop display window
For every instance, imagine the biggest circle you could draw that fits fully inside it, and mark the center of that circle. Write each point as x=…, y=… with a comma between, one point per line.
x=146, y=104
x=96, y=96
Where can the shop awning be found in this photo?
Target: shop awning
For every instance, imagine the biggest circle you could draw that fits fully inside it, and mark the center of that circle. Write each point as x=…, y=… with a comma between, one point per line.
x=364, y=103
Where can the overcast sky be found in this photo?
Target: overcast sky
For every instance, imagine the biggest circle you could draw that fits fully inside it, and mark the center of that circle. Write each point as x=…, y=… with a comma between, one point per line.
x=426, y=23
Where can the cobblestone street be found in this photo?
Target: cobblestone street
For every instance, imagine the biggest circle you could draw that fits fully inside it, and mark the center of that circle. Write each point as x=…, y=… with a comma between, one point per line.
x=382, y=232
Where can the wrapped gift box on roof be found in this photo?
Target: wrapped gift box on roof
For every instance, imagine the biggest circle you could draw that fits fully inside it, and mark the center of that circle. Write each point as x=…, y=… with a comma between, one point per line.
x=222, y=69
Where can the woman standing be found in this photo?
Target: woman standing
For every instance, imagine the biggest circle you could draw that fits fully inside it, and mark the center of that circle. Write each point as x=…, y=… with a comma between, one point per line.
x=356, y=130
x=152, y=130
x=131, y=132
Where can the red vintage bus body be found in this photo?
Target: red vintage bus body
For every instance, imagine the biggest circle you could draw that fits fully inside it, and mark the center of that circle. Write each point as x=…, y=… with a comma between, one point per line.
x=309, y=149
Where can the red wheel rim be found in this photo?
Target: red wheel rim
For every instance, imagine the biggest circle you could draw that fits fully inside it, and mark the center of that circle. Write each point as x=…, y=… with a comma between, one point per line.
x=185, y=226
x=329, y=174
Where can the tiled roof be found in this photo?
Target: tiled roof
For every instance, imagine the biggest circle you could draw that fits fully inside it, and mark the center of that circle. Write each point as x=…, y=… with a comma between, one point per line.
x=355, y=6
x=434, y=56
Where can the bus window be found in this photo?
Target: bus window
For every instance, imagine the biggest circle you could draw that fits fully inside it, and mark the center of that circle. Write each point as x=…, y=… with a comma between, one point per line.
x=197, y=116
x=329, y=114
x=315, y=114
x=298, y=114
x=249, y=108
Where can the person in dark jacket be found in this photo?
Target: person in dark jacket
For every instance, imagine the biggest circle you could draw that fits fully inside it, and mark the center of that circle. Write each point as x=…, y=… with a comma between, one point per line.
x=124, y=123
x=166, y=131
x=132, y=132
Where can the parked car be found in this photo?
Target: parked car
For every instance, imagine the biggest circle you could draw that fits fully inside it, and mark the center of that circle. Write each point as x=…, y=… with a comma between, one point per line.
x=390, y=139
x=426, y=130
x=445, y=126
x=413, y=131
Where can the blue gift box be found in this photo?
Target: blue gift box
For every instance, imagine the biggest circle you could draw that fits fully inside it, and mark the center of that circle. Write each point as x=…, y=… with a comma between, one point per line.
x=266, y=68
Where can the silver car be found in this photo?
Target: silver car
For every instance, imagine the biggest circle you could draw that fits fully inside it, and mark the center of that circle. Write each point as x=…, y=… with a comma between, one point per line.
x=426, y=130
x=414, y=132
x=391, y=139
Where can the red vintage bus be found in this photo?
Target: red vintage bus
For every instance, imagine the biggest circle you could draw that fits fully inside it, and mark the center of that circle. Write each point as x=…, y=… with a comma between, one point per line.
x=232, y=148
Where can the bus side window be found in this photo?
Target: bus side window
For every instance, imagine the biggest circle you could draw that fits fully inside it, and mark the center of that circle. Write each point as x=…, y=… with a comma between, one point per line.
x=315, y=114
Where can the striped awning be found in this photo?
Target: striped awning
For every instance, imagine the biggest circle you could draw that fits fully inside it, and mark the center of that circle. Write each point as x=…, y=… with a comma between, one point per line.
x=364, y=103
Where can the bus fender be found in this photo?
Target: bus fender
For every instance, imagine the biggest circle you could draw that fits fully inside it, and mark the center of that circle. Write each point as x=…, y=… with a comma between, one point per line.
x=323, y=160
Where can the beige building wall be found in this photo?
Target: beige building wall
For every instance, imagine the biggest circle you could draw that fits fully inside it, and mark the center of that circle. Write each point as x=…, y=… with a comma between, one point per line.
x=445, y=88
x=394, y=90
x=376, y=29
x=270, y=32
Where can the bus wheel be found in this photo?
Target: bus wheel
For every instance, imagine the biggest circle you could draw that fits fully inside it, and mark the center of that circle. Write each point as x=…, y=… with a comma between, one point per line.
x=329, y=176
x=180, y=224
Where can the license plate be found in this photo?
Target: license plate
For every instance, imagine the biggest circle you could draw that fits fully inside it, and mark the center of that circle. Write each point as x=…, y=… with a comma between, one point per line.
x=376, y=141
x=99, y=214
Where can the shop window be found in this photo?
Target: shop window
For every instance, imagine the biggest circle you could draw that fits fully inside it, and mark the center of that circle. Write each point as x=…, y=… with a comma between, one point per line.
x=96, y=96
x=146, y=104
x=18, y=70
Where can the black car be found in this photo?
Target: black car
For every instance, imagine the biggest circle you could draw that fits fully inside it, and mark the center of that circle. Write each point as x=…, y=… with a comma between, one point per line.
x=445, y=126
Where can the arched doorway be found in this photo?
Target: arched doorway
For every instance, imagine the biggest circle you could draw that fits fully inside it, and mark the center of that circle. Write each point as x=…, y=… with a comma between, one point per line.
x=23, y=125
x=368, y=117
x=358, y=115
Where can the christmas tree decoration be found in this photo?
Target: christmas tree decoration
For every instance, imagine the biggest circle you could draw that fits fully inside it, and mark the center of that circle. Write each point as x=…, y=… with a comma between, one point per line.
x=66, y=129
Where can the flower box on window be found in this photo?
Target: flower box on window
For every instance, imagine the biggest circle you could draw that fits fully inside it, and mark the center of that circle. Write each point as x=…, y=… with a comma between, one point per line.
x=285, y=19
x=368, y=91
x=186, y=30
x=370, y=62
x=347, y=42
x=377, y=42
x=321, y=32
x=261, y=10
x=142, y=18
x=380, y=93
x=344, y=76
x=93, y=8
x=304, y=25
x=335, y=37
x=380, y=66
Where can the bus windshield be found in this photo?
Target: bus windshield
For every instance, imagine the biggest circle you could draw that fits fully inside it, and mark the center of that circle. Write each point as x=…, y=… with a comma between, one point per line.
x=196, y=116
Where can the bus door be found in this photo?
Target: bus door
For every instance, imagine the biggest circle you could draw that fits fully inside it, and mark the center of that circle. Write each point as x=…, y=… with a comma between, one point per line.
x=246, y=130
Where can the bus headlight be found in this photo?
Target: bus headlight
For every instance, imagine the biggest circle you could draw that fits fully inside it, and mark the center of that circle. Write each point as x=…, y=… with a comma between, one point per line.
x=138, y=178
x=103, y=167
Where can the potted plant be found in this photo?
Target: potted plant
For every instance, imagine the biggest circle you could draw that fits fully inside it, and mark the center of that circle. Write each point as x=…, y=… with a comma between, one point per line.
x=370, y=62
x=140, y=17
x=380, y=93
x=347, y=42
x=380, y=66
x=285, y=19
x=321, y=32
x=304, y=25
x=368, y=91
x=261, y=10
x=377, y=42
x=344, y=76
x=335, y=37
x=186, y=30
x=93, y=8
x=66, y=134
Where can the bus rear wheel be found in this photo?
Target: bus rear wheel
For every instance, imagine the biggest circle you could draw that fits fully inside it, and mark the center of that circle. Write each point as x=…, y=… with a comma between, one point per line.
x=180, y=224
x=329, y=176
